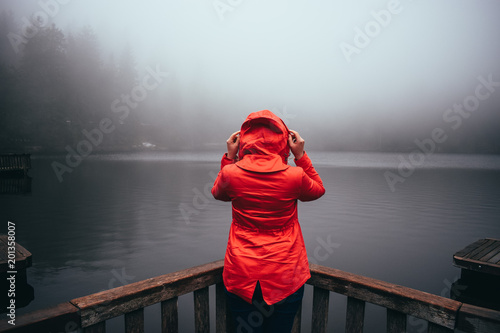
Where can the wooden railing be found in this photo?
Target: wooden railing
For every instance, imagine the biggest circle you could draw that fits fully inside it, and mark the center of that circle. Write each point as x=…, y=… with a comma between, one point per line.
x=91, y=312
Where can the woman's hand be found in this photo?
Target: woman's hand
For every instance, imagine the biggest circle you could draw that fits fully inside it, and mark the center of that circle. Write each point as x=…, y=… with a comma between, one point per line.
x=296, y=144
x=233, y=143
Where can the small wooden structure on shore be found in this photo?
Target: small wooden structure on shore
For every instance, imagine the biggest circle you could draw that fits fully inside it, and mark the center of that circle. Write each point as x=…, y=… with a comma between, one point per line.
x=443, y=315
x=14, y=177
x=15, y=163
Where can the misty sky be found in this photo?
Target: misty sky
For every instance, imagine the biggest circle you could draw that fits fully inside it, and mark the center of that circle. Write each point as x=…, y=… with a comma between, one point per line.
x=286, y=55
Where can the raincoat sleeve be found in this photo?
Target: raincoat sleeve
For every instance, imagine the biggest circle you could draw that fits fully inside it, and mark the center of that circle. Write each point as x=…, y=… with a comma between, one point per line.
x=219, y=190
x=312, y=187
x=226, y=161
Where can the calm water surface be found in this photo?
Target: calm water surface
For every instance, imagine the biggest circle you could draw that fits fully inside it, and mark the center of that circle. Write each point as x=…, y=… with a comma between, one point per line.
x=116, y=219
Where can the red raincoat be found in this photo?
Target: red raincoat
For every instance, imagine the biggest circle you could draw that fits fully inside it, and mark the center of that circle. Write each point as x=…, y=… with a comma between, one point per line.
x=265, y=240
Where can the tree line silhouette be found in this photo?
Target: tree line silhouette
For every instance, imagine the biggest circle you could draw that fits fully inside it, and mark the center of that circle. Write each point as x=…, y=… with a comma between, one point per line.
x=59, y=87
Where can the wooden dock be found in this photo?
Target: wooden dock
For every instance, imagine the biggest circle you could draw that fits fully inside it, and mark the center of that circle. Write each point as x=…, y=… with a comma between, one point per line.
x=15, y=162
x=482, y=256
x=14, y=177
x=23, y=257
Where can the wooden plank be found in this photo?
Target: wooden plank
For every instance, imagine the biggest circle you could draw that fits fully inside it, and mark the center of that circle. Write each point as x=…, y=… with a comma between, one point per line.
x=434, y=328
x=355, y=315
x=118, y=301
x=479, y=248
x=469, y=248
x=396, y=321
x=484, y=251
x=134, y=321
x=297, y=321
x=60, y=318
x=433, y=308
x=96, y=328
x=320, y=310
x=170, y=316
x=496, y=258
x=221, y=310
x=201, y=311
x=476, y=319
x=494, y=251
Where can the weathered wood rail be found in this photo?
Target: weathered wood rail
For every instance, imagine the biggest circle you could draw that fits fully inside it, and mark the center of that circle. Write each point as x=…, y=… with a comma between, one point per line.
x=15, y=162
x=91, y=312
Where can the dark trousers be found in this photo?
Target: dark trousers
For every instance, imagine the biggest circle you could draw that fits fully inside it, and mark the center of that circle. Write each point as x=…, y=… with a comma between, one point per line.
x=259, y=317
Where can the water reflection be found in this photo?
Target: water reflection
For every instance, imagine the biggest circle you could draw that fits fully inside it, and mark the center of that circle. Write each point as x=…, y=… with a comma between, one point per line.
x=15, y=183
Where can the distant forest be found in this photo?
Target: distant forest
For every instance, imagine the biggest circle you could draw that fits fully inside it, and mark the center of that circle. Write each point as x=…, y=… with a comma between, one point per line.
x=57, y=89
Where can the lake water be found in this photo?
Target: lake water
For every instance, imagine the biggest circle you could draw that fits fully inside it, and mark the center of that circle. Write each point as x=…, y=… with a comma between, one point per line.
x=116, y=219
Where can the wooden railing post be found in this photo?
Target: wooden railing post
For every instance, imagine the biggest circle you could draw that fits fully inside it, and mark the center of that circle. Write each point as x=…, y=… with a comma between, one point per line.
x=201, y=311
x=320, y=310
x=169, y=316
x=222, y=315
x=134, y=321
x=396, y=321
x=355, y=315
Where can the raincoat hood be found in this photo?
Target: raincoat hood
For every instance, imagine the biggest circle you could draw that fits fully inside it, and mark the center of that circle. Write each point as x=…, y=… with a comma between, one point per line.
x=263, y=143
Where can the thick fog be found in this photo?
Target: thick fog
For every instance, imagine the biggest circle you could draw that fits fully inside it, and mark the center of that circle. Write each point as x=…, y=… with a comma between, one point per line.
x=348, y=75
